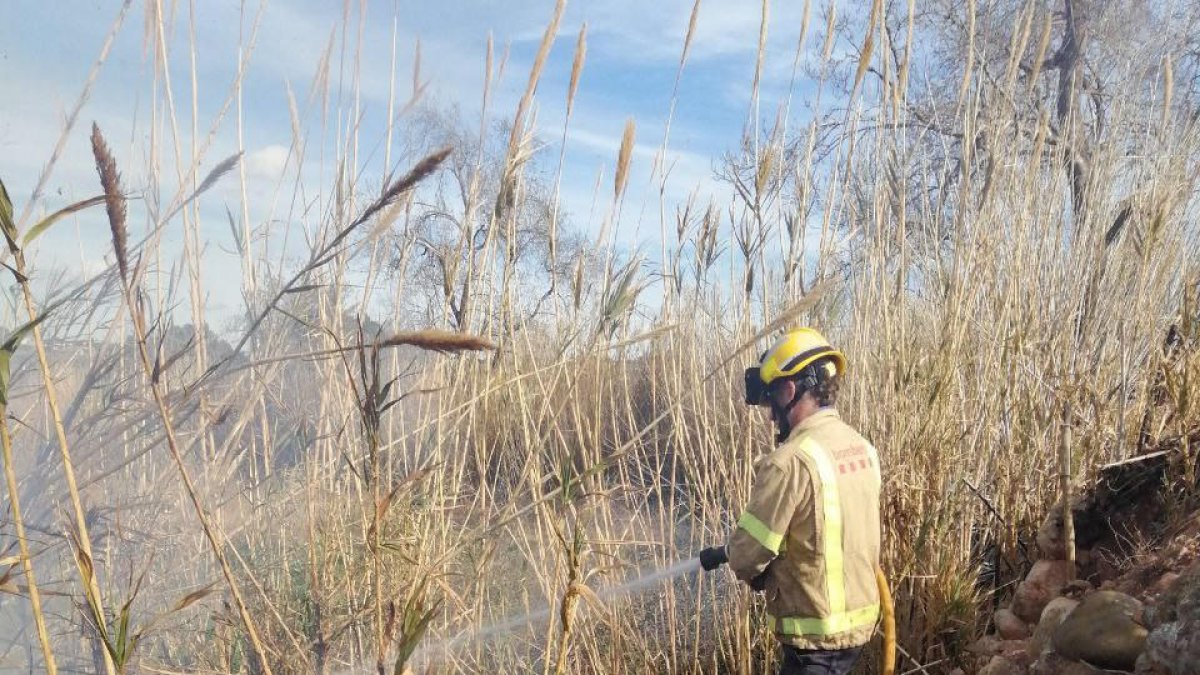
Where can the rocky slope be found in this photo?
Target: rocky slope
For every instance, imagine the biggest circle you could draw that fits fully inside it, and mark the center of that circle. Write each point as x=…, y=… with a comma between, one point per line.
x=1131, y=600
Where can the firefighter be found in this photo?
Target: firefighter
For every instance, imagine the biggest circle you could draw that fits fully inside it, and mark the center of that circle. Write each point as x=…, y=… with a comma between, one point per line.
x=809, y=536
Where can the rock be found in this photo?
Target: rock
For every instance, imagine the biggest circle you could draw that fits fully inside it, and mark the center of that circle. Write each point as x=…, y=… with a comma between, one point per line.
x=991, y=645
x=1102, y=632
x=1029, y=601
x=1126, y=604
x=1053, y=574
x=1147, y=666
x=1050, y=539
x=1052, y=616
x=1077, y=589
x=1053, y=664
x=1001, y=666
x=1077, y=668
x=1162, y=646
x=1173, y=645
x=1009, y=625
x=988, y=645
x=1017, y=652
x=1164, y=582
x=1181, y=599
x=1043, y=583
x=1056, y=611
x=1050, y=664
x=1174, y=648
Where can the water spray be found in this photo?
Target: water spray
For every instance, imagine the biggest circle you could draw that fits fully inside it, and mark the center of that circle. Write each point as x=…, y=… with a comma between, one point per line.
x=511, y=624
x=708, y=559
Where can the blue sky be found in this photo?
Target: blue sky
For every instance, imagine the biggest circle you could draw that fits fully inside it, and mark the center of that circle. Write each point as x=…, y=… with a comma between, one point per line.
x=633, y=53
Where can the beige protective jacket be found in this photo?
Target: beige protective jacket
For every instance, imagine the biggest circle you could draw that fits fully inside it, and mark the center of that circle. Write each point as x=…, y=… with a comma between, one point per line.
x=812, y=525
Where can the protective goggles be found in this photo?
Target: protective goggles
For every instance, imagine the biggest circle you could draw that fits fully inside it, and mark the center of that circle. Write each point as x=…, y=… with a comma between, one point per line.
x=756, y=389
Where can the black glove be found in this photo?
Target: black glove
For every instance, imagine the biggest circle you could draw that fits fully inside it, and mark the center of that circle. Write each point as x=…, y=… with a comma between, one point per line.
x=759, y=583
x=713, y=557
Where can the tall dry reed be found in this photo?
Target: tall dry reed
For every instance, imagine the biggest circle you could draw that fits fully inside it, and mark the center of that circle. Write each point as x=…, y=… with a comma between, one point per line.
x=985, y=261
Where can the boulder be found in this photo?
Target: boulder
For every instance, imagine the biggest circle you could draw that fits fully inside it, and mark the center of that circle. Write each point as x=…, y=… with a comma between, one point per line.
x=988, y=645
x=1173, y=645
x=1077, y=668
x=1001, y=666
x=1053, y=664
x=1009, y=626
x=1050, y=664
x=1180, y=600
x=1049, y=537
x=1171, y=648
x=1017, y=652
x=1147, y=666
x=1102, y=632
x=1044, y=582
x=1029, y=601
x=1165, y=582
x=1052, y=616
x=1077, y=589
x=1053, y=574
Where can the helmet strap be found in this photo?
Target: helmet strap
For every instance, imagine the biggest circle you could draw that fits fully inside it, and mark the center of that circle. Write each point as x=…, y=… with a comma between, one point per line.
x=783, y=416
x=807, y=380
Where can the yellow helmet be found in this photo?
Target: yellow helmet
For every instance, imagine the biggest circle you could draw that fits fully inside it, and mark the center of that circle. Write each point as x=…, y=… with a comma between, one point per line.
x=796, y=350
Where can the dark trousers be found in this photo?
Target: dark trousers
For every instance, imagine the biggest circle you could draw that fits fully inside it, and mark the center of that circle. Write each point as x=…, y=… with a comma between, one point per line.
x=818, y=662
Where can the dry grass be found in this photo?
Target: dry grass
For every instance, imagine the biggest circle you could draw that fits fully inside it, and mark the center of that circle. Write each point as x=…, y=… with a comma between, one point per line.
x=537, y=429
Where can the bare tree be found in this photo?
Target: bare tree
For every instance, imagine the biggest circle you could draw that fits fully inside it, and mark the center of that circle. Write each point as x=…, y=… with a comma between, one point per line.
x=457, y=238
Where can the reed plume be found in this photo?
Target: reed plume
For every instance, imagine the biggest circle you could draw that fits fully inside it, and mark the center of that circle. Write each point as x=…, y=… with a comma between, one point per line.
x=114, y=200
x=623, y=158
x=439, y=341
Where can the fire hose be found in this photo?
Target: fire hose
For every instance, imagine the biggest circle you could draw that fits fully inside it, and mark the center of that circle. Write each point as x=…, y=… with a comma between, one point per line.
x=716, y=556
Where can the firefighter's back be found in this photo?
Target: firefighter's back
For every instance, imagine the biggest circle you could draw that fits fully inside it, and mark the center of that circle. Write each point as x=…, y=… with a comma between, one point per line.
x=825, y=594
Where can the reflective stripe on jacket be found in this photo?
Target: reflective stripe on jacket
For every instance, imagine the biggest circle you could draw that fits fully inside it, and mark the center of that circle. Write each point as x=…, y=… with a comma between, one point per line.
x=812, y=526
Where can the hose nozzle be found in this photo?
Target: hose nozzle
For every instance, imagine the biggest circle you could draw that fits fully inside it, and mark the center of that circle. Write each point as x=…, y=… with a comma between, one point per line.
x=713, y=557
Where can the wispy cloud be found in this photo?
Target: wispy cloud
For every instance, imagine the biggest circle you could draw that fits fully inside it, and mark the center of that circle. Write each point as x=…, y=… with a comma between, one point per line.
x=268, y=162
x=633, y=55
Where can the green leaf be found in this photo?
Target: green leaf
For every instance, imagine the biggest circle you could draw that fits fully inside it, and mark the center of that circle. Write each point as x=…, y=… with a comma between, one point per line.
x=87, y=574
x=415, y=629
x=42, y=225
x=122, y=641
x=6, y=218
x=5, y=357
x=6, y=209
x=10, y=347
